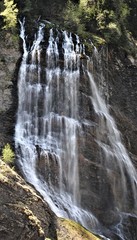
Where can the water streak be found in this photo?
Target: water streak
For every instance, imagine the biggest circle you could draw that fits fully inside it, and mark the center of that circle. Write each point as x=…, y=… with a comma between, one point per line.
x=116, y=156
x=48, y=123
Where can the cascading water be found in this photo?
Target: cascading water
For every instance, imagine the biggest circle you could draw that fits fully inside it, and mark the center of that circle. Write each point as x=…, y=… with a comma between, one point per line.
x=48, y=125
x=115, y=156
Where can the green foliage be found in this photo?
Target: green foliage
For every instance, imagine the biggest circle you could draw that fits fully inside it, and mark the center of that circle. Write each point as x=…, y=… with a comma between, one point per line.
x=132, y=17
x=27, y=6
x=112, y=33
x=71, y=16
x=103, y=21
x=7, y=154
x=10, y=14
x=98, y=40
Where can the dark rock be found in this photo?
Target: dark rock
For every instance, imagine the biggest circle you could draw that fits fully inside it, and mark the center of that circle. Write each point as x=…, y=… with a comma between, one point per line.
x=9, y=58
x=23, y=213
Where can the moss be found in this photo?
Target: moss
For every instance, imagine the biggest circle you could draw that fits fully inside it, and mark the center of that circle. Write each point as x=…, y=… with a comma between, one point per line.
x=68, y=230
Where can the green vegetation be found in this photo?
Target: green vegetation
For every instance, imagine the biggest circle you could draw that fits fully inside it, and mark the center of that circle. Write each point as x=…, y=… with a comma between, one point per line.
x=27, y=6
x=10, y=14
x=103, y=21
x=8, y=154
x=100, y=21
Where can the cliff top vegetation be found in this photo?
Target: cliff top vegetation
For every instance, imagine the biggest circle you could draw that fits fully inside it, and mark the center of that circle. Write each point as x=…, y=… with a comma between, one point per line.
x=100, y=21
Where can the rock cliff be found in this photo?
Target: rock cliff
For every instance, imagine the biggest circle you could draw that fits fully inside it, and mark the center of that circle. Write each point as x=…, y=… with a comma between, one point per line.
x=9, y=58
x=119, y=88
x=119, y=79
x=24, y=215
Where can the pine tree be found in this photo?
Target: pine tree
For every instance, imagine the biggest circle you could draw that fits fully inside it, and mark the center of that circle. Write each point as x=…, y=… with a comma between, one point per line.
x=8, y=154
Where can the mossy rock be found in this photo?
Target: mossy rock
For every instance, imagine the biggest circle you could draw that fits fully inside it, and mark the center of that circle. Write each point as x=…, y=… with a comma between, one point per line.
x=68, y=230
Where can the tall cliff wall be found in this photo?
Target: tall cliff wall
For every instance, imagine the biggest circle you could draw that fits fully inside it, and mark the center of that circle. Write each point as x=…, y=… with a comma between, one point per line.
x=118, y=87
x=9, y=60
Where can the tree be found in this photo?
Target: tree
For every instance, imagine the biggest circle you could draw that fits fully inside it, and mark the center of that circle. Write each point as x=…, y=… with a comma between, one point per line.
x=10, y=14
x=7, y=154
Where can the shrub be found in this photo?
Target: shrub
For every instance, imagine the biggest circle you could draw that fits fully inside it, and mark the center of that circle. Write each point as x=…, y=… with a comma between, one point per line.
x=8, y=154
x=10, y=14
x=112, y=33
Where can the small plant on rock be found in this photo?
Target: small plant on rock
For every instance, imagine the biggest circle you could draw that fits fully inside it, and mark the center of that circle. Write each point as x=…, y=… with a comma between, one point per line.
x=8, y=154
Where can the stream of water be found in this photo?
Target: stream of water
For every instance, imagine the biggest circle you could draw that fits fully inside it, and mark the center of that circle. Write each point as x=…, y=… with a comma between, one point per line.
x=48, y=124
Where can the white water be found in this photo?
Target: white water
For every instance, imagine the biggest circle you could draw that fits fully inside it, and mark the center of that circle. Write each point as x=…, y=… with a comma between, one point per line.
x=116, y=157
x=48, y=125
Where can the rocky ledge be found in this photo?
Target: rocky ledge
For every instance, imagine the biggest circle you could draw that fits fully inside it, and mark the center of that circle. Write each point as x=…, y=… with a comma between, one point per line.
x=24, y=215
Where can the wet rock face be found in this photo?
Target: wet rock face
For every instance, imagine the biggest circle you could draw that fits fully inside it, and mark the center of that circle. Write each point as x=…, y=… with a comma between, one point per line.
x=8, y=86
x=96, y=178
x=119, y=88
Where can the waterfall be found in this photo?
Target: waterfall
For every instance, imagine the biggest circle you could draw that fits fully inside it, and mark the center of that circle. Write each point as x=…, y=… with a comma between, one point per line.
x=108, y=138
x=49, y=123
x=114, y=155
